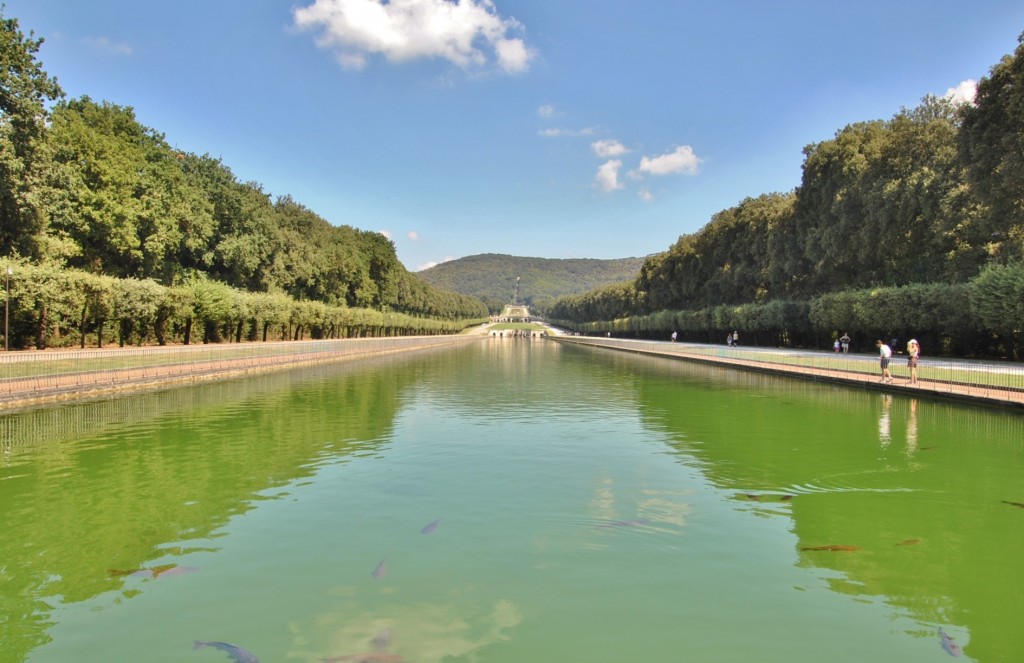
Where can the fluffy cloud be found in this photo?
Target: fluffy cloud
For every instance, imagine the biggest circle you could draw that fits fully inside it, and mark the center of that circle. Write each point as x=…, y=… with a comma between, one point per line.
x=386, y=233
x=963, y=93
x=682, y=160
x=646, y=195
x=607, y=178
x=413, y=235
x=608, y=148
x=105, y=45
x=558, y=133
x=547, y=110
x=403, y=30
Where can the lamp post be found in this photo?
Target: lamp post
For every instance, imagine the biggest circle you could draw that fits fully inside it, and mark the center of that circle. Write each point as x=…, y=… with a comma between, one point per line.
x=7, y=305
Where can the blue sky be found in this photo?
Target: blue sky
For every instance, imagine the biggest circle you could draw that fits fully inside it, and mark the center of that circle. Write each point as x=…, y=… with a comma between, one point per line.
x=547, y=128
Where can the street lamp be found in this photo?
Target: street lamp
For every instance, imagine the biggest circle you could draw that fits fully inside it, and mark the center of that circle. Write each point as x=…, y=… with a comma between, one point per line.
x=7, y=305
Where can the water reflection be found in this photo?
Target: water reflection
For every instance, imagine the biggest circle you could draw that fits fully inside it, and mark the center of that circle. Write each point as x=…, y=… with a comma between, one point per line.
x=915, y=526
x=145, y=482
x=591, y=502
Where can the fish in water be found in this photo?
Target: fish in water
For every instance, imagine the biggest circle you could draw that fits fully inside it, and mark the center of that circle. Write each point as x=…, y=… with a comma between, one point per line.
x=155, y=571
x=757, y=498
x=236, y=653
x=1013, y=503
x=370, y=657
x=381, y=570
x=832, y=548
x=949, y=644
x=382, y=640
x=625, y=523
x=430, y=527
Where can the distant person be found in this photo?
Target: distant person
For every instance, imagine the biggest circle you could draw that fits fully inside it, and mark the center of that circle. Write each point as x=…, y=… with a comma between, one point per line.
x=674, y=336
x=913, y=353
x=845, y=341
x=894, y=344
x=885, y=355
x=836, y=346
x=735, y=337
x=728, y=340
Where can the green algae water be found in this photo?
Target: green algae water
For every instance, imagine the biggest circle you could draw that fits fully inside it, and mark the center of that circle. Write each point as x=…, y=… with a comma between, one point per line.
x=512, y=501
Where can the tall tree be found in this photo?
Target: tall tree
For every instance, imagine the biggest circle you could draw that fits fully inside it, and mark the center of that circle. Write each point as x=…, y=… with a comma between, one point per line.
x=25, y=89
x=992, y=147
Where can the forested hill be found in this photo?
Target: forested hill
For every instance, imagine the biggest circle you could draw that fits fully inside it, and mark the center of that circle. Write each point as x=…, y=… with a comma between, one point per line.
x=492, y=277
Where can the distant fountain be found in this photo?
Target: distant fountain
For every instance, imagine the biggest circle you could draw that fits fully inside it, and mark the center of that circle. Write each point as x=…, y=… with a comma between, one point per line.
x=515, y=312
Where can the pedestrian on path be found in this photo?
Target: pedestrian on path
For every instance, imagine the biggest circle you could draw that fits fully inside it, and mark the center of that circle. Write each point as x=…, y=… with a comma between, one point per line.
x=845, y=341
x=913, y=352
x=885, y=354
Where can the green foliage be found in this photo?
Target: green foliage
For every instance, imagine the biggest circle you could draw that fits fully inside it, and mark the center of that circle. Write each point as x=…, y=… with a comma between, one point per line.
x=54, y=306
x=24, y=91
x=992, y=147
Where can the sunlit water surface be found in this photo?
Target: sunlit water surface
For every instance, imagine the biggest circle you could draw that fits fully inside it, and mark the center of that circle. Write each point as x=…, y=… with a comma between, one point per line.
x=512, y=501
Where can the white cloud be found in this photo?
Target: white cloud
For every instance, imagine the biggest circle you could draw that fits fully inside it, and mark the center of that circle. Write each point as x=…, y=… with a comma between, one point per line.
x=682, y=160
x=428, y=265
x=404, y=30
x=646, y=195
x=608, y=148
x=558, y=133
x=607, y=178
x=386, y=233
x=105, y=45
x=413, y=235
x=963, y=93
x=547, y=110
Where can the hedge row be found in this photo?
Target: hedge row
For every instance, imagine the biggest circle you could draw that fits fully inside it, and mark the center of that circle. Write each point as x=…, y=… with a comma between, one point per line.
x=981, y=318
x=53, y=307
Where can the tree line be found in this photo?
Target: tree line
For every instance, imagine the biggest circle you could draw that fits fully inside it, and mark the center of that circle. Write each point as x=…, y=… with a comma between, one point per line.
x=912, y=225
x=84, y=187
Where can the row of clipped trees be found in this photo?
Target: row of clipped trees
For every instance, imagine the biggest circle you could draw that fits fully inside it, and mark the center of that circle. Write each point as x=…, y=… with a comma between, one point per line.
x=51, y=306
x=980, y=317
x=908, y=226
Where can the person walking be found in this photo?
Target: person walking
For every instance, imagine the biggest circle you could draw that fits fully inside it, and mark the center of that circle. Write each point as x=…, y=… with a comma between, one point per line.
x=913, y=352
x=885, y=355
x=844, y=340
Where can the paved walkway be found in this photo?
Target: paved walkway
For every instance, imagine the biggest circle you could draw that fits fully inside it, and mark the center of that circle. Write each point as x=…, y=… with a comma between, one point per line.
x=990, y=383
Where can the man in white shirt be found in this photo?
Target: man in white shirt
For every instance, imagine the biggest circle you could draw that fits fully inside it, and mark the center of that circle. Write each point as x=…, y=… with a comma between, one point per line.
x=885, y=354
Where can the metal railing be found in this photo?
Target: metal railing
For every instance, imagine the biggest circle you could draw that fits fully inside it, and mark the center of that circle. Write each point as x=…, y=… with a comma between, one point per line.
x=996, y=380
x=28, y=374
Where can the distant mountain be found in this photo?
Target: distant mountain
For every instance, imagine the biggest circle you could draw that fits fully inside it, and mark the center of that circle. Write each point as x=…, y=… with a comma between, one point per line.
x=492, y=277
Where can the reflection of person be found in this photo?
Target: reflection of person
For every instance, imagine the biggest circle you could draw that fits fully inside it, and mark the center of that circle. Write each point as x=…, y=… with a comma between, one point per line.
x=912, y=428
x=913, y=352
x=845, y=341
x=884, y=433
x=885, y=354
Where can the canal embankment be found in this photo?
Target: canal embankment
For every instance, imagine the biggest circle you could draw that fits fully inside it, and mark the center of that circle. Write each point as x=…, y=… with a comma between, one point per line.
x=988, y=383
x=29, y=378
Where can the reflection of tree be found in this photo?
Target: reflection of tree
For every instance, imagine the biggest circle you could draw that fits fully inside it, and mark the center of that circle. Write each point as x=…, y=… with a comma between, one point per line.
x=155, y=475
x=932, y=541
